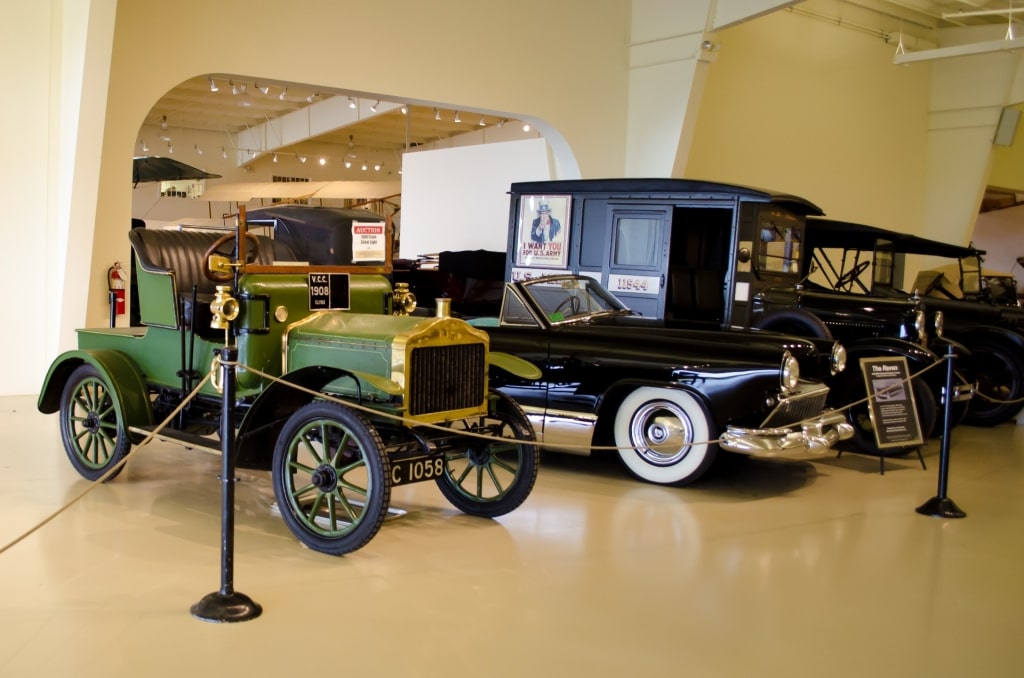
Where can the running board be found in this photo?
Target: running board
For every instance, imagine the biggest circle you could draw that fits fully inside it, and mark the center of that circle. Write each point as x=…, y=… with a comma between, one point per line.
x=186, y=439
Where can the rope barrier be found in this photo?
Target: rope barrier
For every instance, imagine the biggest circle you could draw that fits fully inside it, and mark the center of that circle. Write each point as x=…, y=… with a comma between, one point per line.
x=398, y=418
x=111, y=471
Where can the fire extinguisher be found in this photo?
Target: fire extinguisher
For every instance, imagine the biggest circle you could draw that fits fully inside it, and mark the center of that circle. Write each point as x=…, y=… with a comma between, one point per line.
x=115, y=285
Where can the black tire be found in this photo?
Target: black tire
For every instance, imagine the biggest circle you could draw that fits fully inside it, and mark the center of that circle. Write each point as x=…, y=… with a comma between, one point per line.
x=331, y=477
x=999, y=374
x=794, y=321
x=663, y=436
x=853, y=390
x=490, y=478
x=92, y=427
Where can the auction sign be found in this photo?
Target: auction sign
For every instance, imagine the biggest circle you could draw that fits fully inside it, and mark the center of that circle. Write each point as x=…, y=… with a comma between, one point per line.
x=892, y=408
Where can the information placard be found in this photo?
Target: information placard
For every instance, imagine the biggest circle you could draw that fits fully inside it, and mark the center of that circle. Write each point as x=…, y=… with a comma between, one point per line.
x=892, y=407
x=328, y=292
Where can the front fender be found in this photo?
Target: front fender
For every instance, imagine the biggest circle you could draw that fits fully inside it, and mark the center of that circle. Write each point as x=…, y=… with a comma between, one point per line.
x=999, y=335
x=122, y=375
x=263, y=422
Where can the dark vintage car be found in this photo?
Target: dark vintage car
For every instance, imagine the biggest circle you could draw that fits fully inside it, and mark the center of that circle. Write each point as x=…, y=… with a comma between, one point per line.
x=696, y=252
x=866, y=264
x=667, y=399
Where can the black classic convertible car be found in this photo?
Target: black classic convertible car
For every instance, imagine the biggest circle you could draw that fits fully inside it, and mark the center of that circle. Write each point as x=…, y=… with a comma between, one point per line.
x=666, y=399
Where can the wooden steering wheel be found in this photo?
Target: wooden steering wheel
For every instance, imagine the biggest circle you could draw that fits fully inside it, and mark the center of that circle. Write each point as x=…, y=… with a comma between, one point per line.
x=218, y=276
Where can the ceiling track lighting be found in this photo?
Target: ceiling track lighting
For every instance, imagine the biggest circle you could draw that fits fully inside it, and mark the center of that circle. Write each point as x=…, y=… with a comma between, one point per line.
x=323, y=160
x=312, y=96
x=213, y=86
x=265, y=89
x=374, y=107
x=275, y=157
x=198, y=150
x=458, y=118
x=405, y=109
x=223, y=153
x=364, y=166
x=170, y=148
x=145, y=148
x=526, y=127
x=234, y=87
x=437, y=114
x=376, y=167
x=163, y=123
x=351, y=102
x=302, y=158
x=243, y=88
x=282, y=94
x=482, y=123
x=348, y=164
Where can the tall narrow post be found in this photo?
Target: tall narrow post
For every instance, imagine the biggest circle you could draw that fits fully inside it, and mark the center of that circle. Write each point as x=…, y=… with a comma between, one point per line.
x=940, y=505
x=227, y=605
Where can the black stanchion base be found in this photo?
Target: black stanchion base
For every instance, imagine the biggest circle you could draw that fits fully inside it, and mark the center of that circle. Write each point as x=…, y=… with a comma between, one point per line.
x=221, y=607
x=941, y=508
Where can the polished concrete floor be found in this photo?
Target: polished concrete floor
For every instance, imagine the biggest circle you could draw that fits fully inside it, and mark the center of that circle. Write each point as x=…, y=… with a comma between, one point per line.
x=765, y=568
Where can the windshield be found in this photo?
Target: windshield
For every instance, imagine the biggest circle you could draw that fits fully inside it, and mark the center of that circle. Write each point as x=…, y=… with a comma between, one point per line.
x=561, y=299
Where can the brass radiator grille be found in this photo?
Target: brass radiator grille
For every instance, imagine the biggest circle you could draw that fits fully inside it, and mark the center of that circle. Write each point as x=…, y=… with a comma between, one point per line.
x=446, y=378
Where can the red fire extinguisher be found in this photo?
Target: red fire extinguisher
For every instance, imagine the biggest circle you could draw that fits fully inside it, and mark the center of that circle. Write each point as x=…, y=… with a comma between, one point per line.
x=115, y=285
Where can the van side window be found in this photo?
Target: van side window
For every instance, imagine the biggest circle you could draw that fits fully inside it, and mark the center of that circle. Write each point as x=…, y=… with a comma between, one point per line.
x=780, y=247
x=637, y=242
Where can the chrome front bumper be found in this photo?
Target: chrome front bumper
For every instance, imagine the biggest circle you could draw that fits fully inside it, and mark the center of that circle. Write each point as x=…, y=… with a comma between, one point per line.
x=813, y=439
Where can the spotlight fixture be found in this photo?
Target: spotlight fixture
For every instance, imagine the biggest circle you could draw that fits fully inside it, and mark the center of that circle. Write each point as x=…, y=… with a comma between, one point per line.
x=198, y=150
x=405, y=109
x=170, y=148
x=234, y=87
x=282, y=94
x=348, y=164
x=312, y=96
x=213, y=86
x=437, y=114
x=376, y=167
x=274, y=158
x=243, y=88
x=374, y=107
x=145, y=148
x=323, y=160
x=364, y=166
x=264, y=89
x=163, y=123
x=526, y=127
x=351, y=102
x=223, y=153
x=482, y=122
x=458, y=118
x=302, y=158
x=501, y=123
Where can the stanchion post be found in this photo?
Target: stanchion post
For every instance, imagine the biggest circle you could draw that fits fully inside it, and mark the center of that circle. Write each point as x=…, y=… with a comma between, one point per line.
x=940, y=505
x=227, y=605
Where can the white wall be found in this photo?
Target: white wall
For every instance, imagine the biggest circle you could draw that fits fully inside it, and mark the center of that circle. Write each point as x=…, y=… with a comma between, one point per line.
x=457, y=198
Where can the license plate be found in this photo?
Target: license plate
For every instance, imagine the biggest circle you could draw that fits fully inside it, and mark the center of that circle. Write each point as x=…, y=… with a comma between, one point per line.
x=405, y=470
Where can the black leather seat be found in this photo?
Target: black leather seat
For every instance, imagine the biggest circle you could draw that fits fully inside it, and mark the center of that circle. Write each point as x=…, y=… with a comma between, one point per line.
x=180, y=255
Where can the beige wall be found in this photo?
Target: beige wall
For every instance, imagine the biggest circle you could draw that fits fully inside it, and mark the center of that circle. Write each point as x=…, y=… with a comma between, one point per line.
x=800, y=106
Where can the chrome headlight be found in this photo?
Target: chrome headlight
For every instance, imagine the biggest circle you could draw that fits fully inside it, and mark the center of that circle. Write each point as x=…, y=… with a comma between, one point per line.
x=940, y=320
x=837, y=361
x=921, y=327
x=790, y=373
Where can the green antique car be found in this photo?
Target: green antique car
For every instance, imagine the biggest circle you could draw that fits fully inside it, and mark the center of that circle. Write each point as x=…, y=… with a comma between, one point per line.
x=340, y=393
